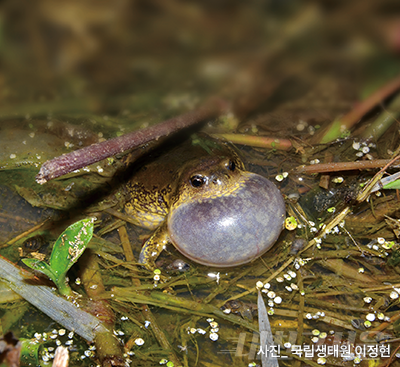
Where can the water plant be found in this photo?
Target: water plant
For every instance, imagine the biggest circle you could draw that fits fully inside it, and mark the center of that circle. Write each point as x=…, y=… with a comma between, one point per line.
x=67, y=249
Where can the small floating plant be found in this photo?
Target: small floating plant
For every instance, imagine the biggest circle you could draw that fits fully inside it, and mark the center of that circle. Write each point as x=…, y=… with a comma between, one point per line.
x=66, y=252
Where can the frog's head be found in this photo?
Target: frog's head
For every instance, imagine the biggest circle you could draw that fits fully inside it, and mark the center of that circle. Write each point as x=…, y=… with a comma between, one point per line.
x=208, y=177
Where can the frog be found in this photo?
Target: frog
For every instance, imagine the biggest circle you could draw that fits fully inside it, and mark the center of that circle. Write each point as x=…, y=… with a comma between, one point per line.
x=199, y=197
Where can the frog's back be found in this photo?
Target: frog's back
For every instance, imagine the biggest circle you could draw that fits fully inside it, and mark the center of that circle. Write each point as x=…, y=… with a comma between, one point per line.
x=147, y=192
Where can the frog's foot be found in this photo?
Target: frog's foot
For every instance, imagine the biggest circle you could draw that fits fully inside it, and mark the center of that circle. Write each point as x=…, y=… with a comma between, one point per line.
x=153, y=247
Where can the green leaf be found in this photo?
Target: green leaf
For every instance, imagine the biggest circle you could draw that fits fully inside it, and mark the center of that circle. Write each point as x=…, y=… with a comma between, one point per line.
x=66, y=251
x=70, y=245
x=42, y=267
x=29, y=355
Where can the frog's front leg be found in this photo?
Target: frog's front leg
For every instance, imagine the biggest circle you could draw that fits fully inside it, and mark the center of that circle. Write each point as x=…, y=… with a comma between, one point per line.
x=153, y=247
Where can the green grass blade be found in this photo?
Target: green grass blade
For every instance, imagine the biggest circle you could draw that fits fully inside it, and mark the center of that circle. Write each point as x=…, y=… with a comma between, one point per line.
x=392, y=185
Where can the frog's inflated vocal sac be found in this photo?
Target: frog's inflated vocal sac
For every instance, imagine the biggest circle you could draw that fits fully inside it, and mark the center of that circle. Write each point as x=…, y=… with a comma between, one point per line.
x=199, y=197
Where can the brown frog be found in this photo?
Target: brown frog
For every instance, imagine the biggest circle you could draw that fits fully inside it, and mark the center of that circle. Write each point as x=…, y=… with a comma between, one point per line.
x=199, y=197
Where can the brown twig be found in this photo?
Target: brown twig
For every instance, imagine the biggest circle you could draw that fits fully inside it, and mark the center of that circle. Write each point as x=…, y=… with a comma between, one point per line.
x=256, y=141
x=392, y=357
x=342, y=166
x=384, y=121
x=373, y=100
x=83, y=157
x=350, y=119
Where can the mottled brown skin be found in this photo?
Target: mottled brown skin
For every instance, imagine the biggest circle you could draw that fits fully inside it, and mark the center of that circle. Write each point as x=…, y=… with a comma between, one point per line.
x=200, y=181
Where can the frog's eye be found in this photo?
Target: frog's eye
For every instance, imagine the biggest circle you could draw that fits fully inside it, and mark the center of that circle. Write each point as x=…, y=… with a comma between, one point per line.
x=197, y=180
x=231, y=166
